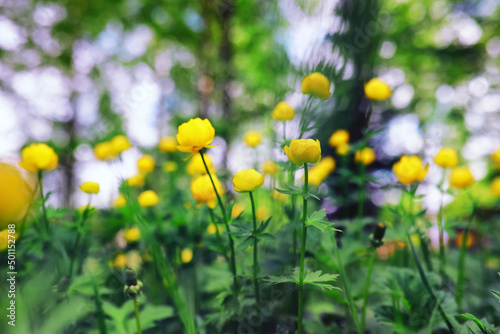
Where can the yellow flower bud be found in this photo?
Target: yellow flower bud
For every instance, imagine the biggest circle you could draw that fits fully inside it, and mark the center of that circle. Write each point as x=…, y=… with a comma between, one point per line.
x=132, y=235
x=194, y=135
x=343, y=149
x=269, y=167
x=211, y=229
x=167, y=144
x=446, y=157
x=366, y=156
x=148, y=198
x=136, y=180
x=16, y=194
x=105, y=151
x=38, y=157
x=203, y=191
x=252, y=138
x=378, y=90
x=119, y=202
x=120, y=261
x=120, y=143
x=247, y=180
x=495, y=156
x=316, y=84
x=461, y=177
x=283, y=112
x=237, y=210
x=170, y=166
x=318, y=173
x=338, y=138
x=90, y=187
x=186, y=255
x=196, y=167
x=410, y=169
x=495, y=186
x=146, y=164
x=303, y=151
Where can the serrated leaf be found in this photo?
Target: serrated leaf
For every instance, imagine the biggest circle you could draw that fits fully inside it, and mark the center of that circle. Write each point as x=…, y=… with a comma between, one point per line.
x=290, y=190
x=310, y=194
x=267, y=236
x=246, y=243
x=316, y=220
x=262, y=227
x=316, y=278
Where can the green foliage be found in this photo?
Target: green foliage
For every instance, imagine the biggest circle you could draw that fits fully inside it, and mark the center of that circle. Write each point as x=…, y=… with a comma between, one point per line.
x=316, y=278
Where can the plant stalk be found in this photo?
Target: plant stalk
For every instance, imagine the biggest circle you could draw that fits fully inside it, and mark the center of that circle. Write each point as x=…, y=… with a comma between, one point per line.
x=303, y=251
x=137, y=320
x=365, y=290
x=255, y=263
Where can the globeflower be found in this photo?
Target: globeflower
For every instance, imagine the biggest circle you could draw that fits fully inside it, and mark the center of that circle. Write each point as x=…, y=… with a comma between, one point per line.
x=303, y=151
x=148, y=198
x=120, y=143
x=105, y=151
x=132, y=235
x=252, y=138
x=146, y=164
x=339, y=137
x=186, y=255
x=167, y=144
x=37, y=157
x=194, y=135
x=283, y=112
x=378, y=90
x=247, y=180
x=90, y=187
x=366, y=156
x=269, y=167
x=196, y=167
x=461, y=177
x=136, y=181
x=203, y=191
x=495, y=186
x=410, y=169
x=343, y=149
x=237, y=210
x=316, y=84
x=170, y=166
x=319, y=172
x=120, y=201
x=495, y=156
x=446, y=158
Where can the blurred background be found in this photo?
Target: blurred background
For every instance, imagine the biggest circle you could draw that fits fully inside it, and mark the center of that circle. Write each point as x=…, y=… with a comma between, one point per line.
x=76, y=73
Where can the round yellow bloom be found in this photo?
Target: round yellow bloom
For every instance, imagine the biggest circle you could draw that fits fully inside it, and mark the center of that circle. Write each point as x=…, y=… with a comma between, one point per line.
x=495, y=156
x=203, y=191
x=366, y=156
x=170, y=166
x=120, y=261
x=132, y=235
x=136, y=180
x=247, y=180
x=237, y=210
x=120, y=143
x=461, y=177
x=269, y=167
x=148, y=198
x=186, y=255
x=211, y=229
x=343, y=149
x=16, y=194
x=38, y=157
x=283, y=112
x=410, y=169
x=252, y=138
x=194, y=135
x=446, y=157
x=339, y=137
x=167, y=144
x=316, y=84
x=262, y=213
x=105, y=151
x=378, y=90
x=90, y=187
x=196, y=167
x=495, y=186
x=320, y=172
x=303, y=151
x=120, y=201
x=146, y=164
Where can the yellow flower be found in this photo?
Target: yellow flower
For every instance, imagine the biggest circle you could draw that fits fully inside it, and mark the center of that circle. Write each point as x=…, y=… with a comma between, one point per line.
x=446, y=157
x=247, y=180
x=343, y=149
x=269, y=167
x=120, y=143
x=38, y=157
x=146, y=164
x=120, y=201
x=320, y=172
x=471, y=240
x=495, y=186
x=196, y=167
x=378, y=90
x=211, y=229
x=90, y=187
x=338, y=138
x=16, y=194
x=136, y=180
x=316, y=84
x=194, y=135
x=237, y=210
x=132, y=235
x=303, y=151
x=278, y=196
x=105, y=151
x=167, y=144
x=461, y=177
x=120, y=261
x=410, y=169
x=186, y=255
x=262, y=213
x=203, y=191
x=366, y=156
x=495, y=156
x=148, y=198
x=283, y=112
x=252, y=138
x=170, y=166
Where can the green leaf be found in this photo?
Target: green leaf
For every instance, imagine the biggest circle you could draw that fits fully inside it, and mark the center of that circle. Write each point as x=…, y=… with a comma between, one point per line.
x=471, y=317
x=291, y=190
x=262, y=227
x=316, y=278
x=310, y=194
x=316, y=220
x=246, y=243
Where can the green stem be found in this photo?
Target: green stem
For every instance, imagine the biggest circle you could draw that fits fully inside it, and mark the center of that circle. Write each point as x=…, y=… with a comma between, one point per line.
x=303, y=250
x=442, y=255
x=365, y=290
x=224, y=217
x=218, y=237
x=461, y=261
x=138, y=322
x=292, y=221
x=255, y=263
x=423, y=242
x=44, y=210
x=361, y=199
x=77, y=240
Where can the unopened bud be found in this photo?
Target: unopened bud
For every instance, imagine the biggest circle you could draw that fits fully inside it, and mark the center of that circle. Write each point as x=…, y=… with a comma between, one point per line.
x=377, y=237
x=130, y=277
